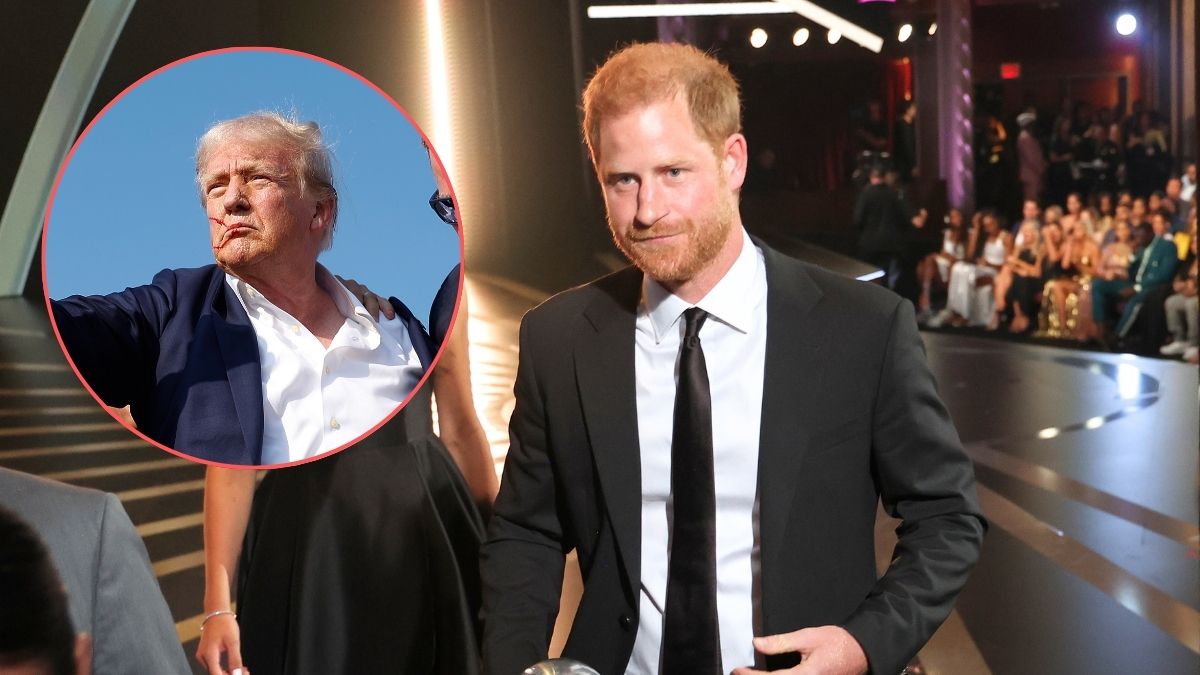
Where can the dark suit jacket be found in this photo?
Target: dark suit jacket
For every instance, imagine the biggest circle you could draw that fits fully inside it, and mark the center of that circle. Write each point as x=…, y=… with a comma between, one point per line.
x=103, y=565
x=182, y=354
x=850, y=414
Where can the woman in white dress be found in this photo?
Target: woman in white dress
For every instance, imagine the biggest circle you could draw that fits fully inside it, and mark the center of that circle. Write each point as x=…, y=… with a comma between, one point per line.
x=970, y=297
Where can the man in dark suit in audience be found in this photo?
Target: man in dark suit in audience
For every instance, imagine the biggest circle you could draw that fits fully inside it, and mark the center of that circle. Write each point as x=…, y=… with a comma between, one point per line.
x=733, y=527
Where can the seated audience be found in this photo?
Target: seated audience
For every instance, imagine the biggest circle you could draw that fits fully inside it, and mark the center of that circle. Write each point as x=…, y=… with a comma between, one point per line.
x=935, y=267
x=1066, y=317
x=969, y=300
x=1025, y=277
x=1151, y=268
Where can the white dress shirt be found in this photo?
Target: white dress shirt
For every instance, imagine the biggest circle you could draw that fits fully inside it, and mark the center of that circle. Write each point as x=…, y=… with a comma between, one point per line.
x=734, y=339
x=317, y=399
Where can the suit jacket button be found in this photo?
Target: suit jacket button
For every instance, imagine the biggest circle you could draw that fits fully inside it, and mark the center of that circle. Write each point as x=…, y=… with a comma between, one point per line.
x=626, y=622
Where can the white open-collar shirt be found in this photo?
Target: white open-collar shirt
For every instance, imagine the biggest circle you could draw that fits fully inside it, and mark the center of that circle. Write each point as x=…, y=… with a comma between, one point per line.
x=317, y=399
x=734, y=340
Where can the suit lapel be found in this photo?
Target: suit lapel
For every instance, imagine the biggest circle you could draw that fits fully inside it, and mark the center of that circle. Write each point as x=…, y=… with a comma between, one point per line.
x=790, y=402
x=604, y=368
x=239, y=351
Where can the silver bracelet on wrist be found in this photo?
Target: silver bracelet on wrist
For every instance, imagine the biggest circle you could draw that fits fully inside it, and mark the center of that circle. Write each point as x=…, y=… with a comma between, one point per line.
x=219, y=612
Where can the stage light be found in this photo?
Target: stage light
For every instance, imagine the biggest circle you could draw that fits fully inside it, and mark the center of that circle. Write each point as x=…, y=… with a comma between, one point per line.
x=440, y=132
x=905, y=32
x=758, y=38
x=805, y=8
x=833, y=37
x=933, y=28
x=686, y=9
x=800, y=37
x=1126, y=24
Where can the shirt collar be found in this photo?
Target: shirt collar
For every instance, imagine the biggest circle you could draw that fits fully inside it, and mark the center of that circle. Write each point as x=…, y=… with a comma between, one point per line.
x=731, y=301
x=347, y=304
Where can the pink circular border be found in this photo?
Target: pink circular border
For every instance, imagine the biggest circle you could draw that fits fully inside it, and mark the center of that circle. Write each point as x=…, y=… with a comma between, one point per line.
x=433, y=153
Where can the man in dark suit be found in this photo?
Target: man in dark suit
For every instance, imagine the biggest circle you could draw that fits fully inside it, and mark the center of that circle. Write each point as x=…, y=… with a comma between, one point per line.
x=102, y=563
x=259, y=358
x=734, y=528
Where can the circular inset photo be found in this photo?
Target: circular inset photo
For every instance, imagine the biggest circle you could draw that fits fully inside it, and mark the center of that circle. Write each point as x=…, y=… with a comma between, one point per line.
x=241, y=260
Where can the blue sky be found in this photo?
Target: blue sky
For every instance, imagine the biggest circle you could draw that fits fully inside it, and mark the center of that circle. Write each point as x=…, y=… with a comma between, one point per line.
x=128, y=206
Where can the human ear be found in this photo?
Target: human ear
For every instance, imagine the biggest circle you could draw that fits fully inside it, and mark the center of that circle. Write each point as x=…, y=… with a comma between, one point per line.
x=734, y=157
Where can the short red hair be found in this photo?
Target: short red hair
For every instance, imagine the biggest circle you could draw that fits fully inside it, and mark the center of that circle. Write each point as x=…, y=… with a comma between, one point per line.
x=642, y=74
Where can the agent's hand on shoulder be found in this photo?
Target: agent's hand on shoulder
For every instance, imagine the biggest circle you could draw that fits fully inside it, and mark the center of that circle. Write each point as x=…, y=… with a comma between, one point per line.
x=824, y=650
x=374, y=304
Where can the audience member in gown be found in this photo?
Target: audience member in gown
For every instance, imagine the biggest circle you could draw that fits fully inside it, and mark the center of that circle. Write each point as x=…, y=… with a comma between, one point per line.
x=1079, y=258
x=963, y=302
x=1025, y=277
x=36, y=635
x=935, y=267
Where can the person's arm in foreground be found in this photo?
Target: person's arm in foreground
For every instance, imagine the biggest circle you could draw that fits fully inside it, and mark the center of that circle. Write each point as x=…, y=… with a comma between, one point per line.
x=228, y=494
x=925, y=480
x=458, y=424
x=521, y=563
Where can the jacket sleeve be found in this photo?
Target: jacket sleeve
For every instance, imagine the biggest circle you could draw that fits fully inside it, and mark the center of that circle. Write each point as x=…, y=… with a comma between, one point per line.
x=134, y=632
x=522, y=559
x=928, y=482
x=114, y=339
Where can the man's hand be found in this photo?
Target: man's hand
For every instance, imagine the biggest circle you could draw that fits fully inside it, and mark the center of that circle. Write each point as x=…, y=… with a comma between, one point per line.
x=374, y=304
x=221, y=635
x=824, y=650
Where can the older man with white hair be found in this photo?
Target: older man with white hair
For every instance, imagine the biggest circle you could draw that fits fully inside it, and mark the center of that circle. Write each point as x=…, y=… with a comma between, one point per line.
x=264, y=357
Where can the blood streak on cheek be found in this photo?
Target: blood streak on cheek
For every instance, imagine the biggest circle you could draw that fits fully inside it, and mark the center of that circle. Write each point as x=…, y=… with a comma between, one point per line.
x=224, y=239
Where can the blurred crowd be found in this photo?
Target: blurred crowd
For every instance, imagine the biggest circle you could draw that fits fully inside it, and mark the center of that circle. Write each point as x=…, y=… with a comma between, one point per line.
x=1114, y=270
x=1082, y=148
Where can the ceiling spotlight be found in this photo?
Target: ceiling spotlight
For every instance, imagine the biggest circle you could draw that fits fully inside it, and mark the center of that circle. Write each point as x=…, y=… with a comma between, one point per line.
x=905, y=32
x=1126, y=24
x=800, y=37
x=833, y=37
x=933, y=28
x=758, y=38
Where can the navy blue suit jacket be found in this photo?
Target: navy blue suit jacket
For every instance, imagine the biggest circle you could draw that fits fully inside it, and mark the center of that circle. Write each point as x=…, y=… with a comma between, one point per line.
x=181, y=353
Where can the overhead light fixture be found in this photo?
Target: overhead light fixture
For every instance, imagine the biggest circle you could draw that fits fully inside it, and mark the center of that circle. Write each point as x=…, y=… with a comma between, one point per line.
x=1126, y=24
x=827, y=19
x=833, y=36
x=800, y=37
x=805, y=8
x=685, y=9
x=932, y=28
x=758, y=38
x=905, y=32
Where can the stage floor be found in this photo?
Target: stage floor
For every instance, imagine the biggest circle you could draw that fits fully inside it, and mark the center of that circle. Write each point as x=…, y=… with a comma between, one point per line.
x=1087, y=468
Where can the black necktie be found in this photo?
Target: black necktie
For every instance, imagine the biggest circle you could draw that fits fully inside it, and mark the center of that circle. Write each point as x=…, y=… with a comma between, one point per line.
x=691, y=642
